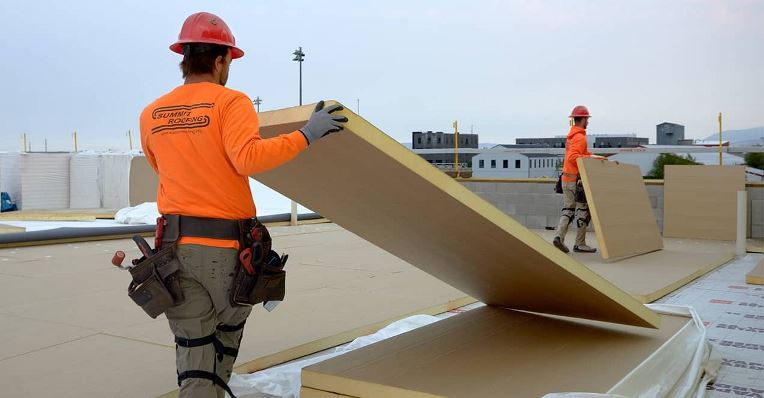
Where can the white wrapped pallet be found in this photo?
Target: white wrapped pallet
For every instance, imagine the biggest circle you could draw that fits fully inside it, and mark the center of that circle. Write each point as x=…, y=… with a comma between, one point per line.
x=45, y=180
x=84, y=181
x=10, y=175
x=115, y=179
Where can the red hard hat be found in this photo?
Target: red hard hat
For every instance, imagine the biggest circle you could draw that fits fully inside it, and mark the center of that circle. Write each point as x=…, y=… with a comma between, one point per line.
x=580, y=111
x=204, y=27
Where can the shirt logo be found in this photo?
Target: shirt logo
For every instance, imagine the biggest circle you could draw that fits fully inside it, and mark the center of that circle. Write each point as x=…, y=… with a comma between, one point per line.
x=180, y=117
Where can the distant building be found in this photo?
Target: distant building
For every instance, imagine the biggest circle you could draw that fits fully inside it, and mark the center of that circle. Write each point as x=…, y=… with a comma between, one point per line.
x=556, y=142
x=617, y=140
x=445, y=141
x=496, y=164
x=594, y=140
x=440, y=140
x=669, y=133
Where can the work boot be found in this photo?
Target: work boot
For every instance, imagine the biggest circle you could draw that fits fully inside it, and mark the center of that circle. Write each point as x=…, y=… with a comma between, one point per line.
x=584, y=249
x=558, y=244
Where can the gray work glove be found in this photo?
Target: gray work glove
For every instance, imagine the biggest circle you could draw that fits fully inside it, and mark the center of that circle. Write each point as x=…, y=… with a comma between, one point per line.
x=322, y=122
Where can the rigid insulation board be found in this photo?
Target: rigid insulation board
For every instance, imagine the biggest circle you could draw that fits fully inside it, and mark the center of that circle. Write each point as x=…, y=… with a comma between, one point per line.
x=143, y=182
x=45, y=180
x=376, y=188
x=493, y=352
x=620, y=208
x=701, y=201
x=10, y=176
x=756, y=276
x=84, y=185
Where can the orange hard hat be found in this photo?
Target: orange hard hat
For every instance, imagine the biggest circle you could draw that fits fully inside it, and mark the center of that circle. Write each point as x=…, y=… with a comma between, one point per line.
x=204, y=27
x=580, y=111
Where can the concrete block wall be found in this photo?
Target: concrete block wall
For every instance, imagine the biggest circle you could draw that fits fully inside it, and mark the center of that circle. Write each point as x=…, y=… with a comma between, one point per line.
x=535, y=205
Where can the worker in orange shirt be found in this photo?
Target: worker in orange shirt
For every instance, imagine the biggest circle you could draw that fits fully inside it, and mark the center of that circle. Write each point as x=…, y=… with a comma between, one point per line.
x=574, y=199
x=203, y=141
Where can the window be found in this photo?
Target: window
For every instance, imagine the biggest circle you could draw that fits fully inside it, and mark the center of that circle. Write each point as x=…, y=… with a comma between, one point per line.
x=419, y=140
x=517, y=163
x=493, y=163
x=481, y=164
x=506, y=164
x=438, y=140
x=534, y=163
x=429, y=140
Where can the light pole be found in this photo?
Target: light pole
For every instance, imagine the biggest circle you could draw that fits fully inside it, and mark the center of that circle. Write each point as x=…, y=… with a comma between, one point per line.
x=299, y=56
x=257, y=101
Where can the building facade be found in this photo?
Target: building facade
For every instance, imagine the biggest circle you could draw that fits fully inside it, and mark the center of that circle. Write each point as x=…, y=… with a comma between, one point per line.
x=594, y=140
x=495, y=164
x=669, y=133
x=445, y=141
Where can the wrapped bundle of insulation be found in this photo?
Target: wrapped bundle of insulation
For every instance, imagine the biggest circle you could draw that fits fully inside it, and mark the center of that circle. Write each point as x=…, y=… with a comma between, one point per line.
x=84, y=181
x=115, y=179
x=45, y=180
x=126, y=180
x=10, y=175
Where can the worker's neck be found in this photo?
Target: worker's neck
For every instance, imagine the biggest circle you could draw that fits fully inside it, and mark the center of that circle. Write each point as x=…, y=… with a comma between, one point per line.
x=202, y=78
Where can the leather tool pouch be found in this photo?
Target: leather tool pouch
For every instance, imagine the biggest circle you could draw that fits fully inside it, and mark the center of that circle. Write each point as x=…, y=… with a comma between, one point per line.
x=558, y=185
x=268, y=282
x=156, y=284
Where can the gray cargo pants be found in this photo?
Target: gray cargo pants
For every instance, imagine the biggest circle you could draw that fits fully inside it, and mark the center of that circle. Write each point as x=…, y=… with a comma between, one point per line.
x=572, y=208
x=207, y=317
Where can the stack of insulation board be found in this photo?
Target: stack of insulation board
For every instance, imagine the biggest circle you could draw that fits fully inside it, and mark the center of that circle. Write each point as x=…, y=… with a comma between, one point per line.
x=115, y=179
x=85, y=181
x=126, y=180
x=45, y=180
x=10, y=176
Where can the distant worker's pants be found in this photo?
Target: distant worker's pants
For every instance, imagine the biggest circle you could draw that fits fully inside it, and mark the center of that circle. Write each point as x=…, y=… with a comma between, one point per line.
x=207, y=328
x=572, y=208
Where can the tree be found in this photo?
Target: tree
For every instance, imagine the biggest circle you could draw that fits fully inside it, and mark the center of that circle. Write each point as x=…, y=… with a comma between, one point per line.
x=755, y=160
x=668, y=159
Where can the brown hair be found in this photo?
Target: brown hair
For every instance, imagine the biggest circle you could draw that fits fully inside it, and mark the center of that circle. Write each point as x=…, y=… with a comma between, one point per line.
x=199, y=58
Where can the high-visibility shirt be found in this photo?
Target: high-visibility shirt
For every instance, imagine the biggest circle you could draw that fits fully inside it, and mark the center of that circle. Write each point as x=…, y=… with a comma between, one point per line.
x=203, y=140
x=575, y=147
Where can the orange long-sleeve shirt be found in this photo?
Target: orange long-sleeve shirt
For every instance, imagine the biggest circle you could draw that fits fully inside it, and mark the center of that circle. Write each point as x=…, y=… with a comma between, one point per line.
x=203, y=140
x=575, y=147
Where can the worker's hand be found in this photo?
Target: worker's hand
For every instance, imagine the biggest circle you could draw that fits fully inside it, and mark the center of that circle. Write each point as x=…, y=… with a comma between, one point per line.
x=322, y=122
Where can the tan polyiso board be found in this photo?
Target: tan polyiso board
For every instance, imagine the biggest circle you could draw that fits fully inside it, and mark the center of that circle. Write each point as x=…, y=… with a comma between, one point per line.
x=338, y=284
x=493, y=352
x=10, y=229
x=651, y=276
x=620, y=208
x=756, y=276
x=701, y=201
x=144, y=182
x=371, y=185
x=94, y=366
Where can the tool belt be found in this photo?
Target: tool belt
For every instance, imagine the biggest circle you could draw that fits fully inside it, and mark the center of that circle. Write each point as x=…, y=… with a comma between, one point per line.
x=259, y=275
x=156, y=285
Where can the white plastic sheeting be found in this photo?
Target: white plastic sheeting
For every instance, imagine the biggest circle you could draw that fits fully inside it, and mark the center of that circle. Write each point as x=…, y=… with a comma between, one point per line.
x=681, y=368
x=284, y=380
x=85, y=181
x=45, y=180
x=144, y=213
x=10, y=175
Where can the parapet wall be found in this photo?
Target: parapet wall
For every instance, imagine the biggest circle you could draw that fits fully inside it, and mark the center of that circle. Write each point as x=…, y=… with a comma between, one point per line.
x=533, y=202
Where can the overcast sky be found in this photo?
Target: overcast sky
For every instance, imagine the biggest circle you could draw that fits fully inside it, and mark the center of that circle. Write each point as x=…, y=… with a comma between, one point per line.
x=509, y=68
